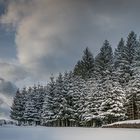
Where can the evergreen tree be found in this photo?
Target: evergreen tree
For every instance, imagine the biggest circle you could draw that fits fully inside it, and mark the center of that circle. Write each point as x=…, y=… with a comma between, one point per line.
x=90, y=117
x=131, y=45
x=120, y=62
x=68, y=86
x=31, y=112
x=41, y=94
x=79, y=94
x=48, y=113
x=85, y=67
x=119, y=54
x=112, y=108
x=104, y=61
x=59, y=99
x=125, y=58
x=73, y=103
x=18, y=106
x=67, y=110
x=133, y=88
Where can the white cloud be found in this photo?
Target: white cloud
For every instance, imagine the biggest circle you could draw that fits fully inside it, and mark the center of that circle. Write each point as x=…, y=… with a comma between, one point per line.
x=7, y=91
x=12, y=71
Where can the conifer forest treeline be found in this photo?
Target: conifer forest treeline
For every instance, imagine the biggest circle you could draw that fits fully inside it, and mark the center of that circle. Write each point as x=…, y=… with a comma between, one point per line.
x=99, y=90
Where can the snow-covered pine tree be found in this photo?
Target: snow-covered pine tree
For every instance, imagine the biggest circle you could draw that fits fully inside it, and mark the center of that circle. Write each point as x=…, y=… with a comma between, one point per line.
x=133, y=88
x=104, y=61
x=103, y=68
x=109, y=90
x=85, y=67
x=79, y=93
x=68, y=88
x=131, y=45
x=18, y=106
x=66, y=111
x=78, y=69
x=38, y=99
x=125, y=64
x=31, y=112
x=41, y=93
x=48, y=110
x=129, y=54
x=90, y=117
x=120, y=62
x=73, y=99
x=59, y=100
x=119, y=54
x=112, y=108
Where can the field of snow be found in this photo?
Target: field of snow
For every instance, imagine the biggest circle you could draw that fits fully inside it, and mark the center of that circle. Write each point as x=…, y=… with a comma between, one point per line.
x=43, y=133
x=128, y=122
x=4, y=121
x=124, y=124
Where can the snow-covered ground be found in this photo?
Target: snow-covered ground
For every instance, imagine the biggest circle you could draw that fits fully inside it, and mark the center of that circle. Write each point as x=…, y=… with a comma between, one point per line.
x=128, y=122
x=7, y=121
x=43, y=133
x=124, y=124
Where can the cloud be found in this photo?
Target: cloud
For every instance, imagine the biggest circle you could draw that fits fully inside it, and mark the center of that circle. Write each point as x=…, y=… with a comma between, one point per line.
x=7, y=92
x=51, y=34
x=12, y=71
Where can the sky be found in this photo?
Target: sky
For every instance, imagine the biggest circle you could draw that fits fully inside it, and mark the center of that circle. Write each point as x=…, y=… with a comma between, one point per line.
x=41, y=37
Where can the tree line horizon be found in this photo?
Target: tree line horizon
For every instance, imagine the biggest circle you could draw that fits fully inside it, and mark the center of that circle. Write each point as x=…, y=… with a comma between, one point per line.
x=99, y=90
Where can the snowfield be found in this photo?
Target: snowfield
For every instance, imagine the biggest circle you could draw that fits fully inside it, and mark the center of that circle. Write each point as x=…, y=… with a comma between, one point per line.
x=7, y=121
x=127, y=122
x=124, y=124
x=43, y=133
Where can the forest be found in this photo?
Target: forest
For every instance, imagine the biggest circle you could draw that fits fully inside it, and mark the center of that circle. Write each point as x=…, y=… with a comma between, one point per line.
x=97, y=91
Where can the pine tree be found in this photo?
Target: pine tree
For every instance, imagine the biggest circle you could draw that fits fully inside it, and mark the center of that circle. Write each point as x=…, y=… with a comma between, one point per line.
x=74, y=98
x=41, y=94
x=59, y=99
x=67, y=110
x=85, y=67
x=79, y=94
x=18, y=106
x=31, y=112
x=125, y=58
x=131, y=45
x=68, y=87
x=90, y=117
x=119, y=53
x=112, y=108
x=133, y=88
x=120, y=62
x=104, y=61
x=48, y=111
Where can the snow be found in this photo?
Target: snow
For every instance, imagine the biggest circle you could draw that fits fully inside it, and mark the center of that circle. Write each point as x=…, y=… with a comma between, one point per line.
x=7, y=121
x=5, y=118
x=44, y=133
x=126, y=122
